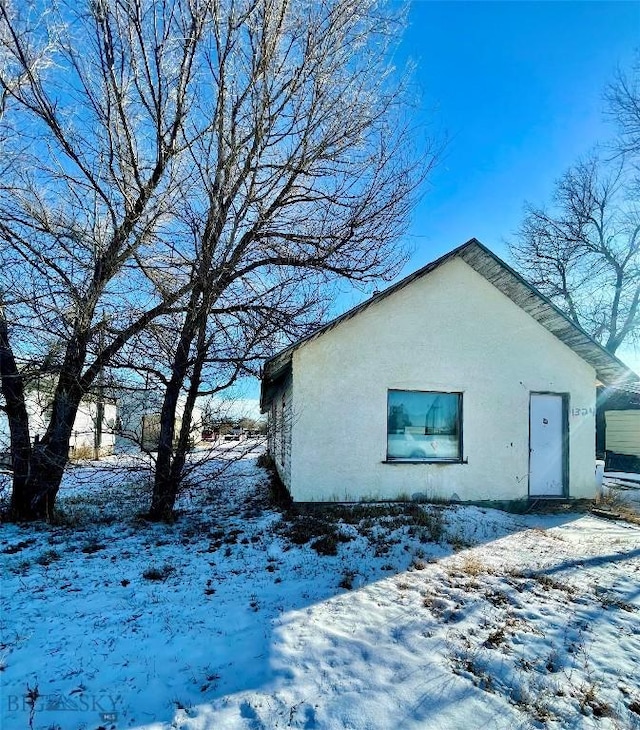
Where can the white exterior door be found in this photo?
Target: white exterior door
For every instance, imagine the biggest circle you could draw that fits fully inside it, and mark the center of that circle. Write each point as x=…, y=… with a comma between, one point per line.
x=546, y=445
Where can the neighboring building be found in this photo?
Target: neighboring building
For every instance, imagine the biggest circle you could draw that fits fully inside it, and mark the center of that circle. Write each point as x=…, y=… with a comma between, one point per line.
x=460, y=382
x=139, y=419
x=134, y=423
x=88, y=440
x=618, y=428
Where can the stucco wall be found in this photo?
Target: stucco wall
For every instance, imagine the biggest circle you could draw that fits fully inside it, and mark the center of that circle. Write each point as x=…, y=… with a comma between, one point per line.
x=83, y=433
x=449, y=331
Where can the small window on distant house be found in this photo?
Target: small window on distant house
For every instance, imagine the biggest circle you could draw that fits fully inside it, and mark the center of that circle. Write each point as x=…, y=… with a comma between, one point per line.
x=424, y=426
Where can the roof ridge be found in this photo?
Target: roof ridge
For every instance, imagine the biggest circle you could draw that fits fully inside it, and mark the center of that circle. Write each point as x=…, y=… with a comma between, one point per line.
x=474, y=253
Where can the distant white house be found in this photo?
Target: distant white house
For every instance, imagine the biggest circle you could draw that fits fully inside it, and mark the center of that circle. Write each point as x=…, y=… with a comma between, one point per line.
x=89, y=438
x=460, y=382
x=130, y=420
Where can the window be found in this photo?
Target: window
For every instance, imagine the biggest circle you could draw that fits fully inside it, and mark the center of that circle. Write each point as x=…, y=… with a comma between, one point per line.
x=424, y=426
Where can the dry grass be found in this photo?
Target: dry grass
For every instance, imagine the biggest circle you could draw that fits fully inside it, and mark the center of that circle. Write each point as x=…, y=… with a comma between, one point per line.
x=618, y=507
x=473, y=567
x=81, y=453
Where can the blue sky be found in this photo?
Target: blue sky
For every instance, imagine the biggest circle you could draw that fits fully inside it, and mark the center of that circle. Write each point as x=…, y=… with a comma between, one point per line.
x=517, y=87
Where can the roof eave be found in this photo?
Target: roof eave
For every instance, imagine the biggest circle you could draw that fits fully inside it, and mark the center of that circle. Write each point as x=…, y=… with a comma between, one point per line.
x=609, y=369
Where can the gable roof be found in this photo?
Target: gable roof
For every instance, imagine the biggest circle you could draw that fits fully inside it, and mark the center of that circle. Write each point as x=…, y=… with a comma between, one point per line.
x=609, y=369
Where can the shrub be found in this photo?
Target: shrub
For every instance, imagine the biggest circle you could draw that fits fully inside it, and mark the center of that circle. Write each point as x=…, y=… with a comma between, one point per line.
x=48, y=557
x=278, y=492
x=154, y=573
x=326, y=545
x=347, y=580
x=80, y=453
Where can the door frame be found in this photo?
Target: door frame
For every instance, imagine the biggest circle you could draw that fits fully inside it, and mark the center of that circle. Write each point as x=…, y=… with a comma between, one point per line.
x=565, y=446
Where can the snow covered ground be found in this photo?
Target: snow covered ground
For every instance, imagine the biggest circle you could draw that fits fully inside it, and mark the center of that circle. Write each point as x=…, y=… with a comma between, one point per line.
x=238, y=616
x=623, y=489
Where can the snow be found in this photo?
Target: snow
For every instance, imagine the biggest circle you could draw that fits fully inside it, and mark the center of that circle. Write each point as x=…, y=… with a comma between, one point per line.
x=623, y=488
x=503, y=621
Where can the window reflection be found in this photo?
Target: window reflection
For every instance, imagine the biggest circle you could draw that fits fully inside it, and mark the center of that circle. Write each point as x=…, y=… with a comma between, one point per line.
x=423, y=425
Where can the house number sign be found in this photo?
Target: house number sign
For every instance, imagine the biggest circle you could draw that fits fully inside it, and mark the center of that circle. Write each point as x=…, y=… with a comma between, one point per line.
x=583, y=411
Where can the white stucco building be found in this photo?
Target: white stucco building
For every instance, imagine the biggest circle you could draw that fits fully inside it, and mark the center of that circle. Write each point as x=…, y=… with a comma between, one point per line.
x=86, y=441
x=460, y=382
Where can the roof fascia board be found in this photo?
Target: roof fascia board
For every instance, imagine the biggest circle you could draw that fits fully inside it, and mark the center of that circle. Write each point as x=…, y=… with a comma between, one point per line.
x=548, y=315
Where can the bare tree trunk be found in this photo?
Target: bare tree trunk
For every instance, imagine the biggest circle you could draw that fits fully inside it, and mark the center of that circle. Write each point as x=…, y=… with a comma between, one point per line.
x=35, y=489
x=169, y=479
x=13, y=390
x=165, y=488
x=37, y=479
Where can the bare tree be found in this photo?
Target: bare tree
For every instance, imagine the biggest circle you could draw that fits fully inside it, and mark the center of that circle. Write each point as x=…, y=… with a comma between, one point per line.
x=187, y=176
x=622, y=97
x=95, y=104
x=307, y=176
x=583, y=250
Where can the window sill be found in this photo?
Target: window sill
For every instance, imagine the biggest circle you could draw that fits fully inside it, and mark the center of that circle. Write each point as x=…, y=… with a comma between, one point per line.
x=425, y=461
